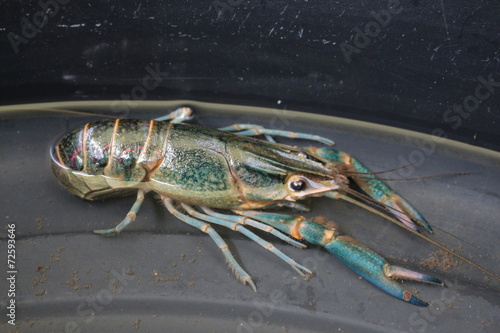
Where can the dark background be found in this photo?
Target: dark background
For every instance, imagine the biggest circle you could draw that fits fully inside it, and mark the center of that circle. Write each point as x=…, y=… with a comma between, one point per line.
x=282, y=54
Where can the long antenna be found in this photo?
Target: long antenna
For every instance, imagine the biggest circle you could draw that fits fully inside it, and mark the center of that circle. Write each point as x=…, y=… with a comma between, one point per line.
x=370, y=200
x=420, y=178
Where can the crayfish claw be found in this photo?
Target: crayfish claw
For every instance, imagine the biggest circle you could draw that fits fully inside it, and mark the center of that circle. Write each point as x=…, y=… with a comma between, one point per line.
x=377, y=270
x=379, y=192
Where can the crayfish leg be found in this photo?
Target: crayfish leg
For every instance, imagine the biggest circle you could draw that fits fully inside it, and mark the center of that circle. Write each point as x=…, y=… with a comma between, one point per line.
x=243, y=220
x=131, y=215
x=207, y=228
x=228, y=223
x=254, y=130
x=178, y=116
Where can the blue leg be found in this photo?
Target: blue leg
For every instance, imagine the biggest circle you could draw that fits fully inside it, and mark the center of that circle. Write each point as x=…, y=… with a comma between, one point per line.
x=240, y=127
x=207, y=228
x=131, y=215
x=243, y=220
x=178, y=116
x=303, y=271
x=254, y=130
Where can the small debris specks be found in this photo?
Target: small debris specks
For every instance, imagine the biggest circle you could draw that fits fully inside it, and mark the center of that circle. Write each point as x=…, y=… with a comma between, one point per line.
x=41, y=292
x=42, y=278
x=42, y=269
x=54, y=258
x=40, y=223
x=73, y=283
x=440, y=259
x=156, y=275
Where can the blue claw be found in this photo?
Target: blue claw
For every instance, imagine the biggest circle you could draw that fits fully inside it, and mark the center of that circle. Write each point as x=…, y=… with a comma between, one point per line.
x=357, y=257
x=377, y=270
x=375, y=188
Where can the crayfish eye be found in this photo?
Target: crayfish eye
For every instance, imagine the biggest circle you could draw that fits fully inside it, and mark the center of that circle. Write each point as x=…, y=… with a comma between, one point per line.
x=297, y=185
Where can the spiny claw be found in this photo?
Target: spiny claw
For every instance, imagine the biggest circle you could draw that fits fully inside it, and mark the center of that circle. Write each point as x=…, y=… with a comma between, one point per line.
x=376, y=189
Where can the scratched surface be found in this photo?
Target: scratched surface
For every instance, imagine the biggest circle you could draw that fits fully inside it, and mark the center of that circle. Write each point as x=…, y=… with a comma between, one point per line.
x=162, y=273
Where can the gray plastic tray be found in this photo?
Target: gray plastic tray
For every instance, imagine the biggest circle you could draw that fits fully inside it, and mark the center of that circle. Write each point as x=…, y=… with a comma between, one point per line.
x=162, y=275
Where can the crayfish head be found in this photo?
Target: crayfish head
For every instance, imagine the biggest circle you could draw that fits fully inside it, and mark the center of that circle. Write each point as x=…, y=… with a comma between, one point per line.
x=301, y=186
